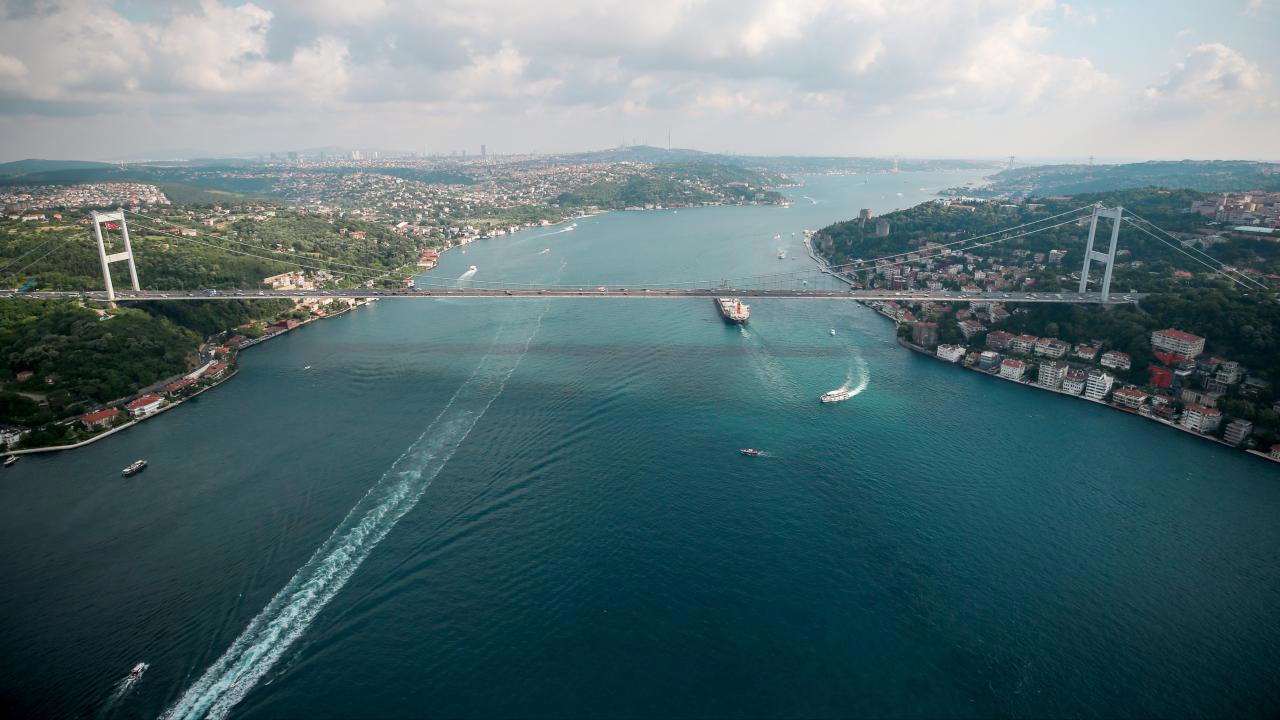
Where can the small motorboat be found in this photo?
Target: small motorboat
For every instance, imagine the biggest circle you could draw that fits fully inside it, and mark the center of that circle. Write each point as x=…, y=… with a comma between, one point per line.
x=750, y=452
x=833, y=331
x=137, y=671
x=9, y=460
x=134, y=468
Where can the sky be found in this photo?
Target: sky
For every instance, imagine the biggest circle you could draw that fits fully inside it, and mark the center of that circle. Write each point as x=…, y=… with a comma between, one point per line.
x=96, y=79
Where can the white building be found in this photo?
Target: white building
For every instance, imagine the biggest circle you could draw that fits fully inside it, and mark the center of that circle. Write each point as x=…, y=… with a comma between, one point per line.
x=951, y=353
x=1200, y=418
x=1073, y=382
x=1237, y=431
x=1178, y=342
x=1098, y=385
x=1011, y=369
x=1116, y=360
x=148, y=404
x=1051, y=374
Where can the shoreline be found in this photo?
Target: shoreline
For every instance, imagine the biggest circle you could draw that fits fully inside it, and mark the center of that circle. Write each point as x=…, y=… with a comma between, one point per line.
x=234, y=370
x=918, y=349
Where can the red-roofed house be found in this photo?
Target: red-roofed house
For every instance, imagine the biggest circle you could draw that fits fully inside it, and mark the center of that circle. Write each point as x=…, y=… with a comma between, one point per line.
x=99, y=419
x=215, y=370
x=1177, y=342
x=1012, y=369
x=174, y=388
x=1115, y=359
x=146, y=405
x=1131, y=398
x=1200, y=418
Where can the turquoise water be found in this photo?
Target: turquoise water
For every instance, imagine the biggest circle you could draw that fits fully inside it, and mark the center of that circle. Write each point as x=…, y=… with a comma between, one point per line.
x=536, y=508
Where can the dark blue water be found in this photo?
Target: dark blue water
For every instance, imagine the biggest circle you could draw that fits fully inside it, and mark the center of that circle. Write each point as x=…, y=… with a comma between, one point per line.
x=536, y=508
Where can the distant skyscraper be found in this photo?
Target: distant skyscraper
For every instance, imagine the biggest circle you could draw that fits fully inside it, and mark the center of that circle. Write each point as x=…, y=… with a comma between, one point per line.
x=483, y=150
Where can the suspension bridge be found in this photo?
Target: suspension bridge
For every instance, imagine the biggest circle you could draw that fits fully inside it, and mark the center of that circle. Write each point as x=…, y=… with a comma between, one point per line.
x=816, y=280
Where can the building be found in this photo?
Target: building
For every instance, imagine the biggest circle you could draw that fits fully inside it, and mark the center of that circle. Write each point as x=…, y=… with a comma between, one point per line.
x=1128, y=397
x=865, y=214
x=1011, y=369
x=1160, y=377
x=1116, y=360
x=999, y=340
x=1073, y=382
x=1051, y=374
x=215, y=370
x=1177, y=342
x=1023, y=344
x=1237, y=431
x=882, y=227
x=1097, y=384
x=924, y=334
x=969, y=328
x=99, y=419
x=1051, y=348
x=1229, y=373
x=178, y=386
x=148, y=404
x=1200, y=418
x=1207, y=399
x=950, y=353
x=988, y=360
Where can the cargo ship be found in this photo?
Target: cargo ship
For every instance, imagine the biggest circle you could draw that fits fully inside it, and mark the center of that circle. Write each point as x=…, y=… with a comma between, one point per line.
x=733, y=310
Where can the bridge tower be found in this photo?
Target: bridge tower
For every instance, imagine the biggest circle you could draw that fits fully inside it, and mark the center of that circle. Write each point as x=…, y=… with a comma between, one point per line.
x=1108, y=258
x=114, y=217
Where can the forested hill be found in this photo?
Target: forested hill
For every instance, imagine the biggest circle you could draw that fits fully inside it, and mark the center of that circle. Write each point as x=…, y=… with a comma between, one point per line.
x=1205, y=176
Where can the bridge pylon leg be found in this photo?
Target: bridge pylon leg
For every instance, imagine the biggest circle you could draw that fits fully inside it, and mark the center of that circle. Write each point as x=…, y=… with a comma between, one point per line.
x=118, y=217
x=1108, y=259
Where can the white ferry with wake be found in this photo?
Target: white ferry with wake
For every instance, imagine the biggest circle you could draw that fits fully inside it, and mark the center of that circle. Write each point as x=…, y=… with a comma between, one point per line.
x=836, y=395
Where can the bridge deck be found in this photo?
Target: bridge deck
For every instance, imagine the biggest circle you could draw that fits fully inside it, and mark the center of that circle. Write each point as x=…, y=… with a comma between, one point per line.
x=619, y=292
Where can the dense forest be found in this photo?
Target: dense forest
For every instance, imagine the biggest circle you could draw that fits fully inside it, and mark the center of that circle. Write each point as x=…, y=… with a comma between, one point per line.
x=1202, y=175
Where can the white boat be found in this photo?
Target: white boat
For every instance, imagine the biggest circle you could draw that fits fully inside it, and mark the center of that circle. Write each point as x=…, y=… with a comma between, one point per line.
x=836, y=395
x=137, y=671
x=471, y=269
x=833, y=331
x=11, y=459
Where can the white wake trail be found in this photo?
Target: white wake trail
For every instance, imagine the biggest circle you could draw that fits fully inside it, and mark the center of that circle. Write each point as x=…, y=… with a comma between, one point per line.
x=291, y=612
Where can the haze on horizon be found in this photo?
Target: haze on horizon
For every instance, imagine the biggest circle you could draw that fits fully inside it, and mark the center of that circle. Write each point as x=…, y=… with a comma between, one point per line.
x=95, y=79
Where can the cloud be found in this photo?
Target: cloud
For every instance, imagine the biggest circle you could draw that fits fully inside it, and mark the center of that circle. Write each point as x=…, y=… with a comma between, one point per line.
x=1210, y=74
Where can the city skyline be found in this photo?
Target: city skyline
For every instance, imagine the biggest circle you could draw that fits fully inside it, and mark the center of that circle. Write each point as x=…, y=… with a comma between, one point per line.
x=90, y=79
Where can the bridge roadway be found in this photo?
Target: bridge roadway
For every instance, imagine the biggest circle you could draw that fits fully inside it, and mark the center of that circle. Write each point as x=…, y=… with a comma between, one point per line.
x=599, y=292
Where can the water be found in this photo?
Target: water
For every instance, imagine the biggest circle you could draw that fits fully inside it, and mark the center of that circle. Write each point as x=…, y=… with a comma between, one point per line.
x=495, y=508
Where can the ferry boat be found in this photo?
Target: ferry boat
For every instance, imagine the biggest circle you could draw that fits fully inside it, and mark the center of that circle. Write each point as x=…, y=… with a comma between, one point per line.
x=10, y=460
x=836, y=395
x=134, y=468
x=733, y=310
x=750, y=452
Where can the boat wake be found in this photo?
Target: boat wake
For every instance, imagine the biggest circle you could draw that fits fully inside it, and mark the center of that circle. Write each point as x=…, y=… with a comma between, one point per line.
x=294, y=608
x=857, y=378
x=470, y=273
x=544, y=252
x=123, y=688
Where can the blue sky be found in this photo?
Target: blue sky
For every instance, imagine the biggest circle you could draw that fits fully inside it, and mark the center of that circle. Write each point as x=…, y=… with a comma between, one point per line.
x=1032, y=78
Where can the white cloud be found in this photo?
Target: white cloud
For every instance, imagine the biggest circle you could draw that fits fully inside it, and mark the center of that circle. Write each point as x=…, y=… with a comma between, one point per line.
x=1211, y=73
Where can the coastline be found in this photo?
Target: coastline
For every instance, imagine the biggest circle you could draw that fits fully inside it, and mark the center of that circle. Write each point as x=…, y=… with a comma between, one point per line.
x=234, y=370
x=923, y=351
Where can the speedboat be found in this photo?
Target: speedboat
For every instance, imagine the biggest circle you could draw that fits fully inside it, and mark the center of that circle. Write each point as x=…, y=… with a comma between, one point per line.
x=836, y=395
x=137, y=671
x=471, y=269
x=833, y=331
x=134, y=468
x=10, y=460
x=750, y=452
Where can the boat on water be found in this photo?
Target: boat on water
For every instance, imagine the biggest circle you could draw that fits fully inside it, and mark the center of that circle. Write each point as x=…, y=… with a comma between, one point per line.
x=750, y=452
x=733, y=310
x=137, y=671
x=11, y=459
x=782, y=254
x=833, y=331
x=134, y=468
x=471, y=269
x=836, y=395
